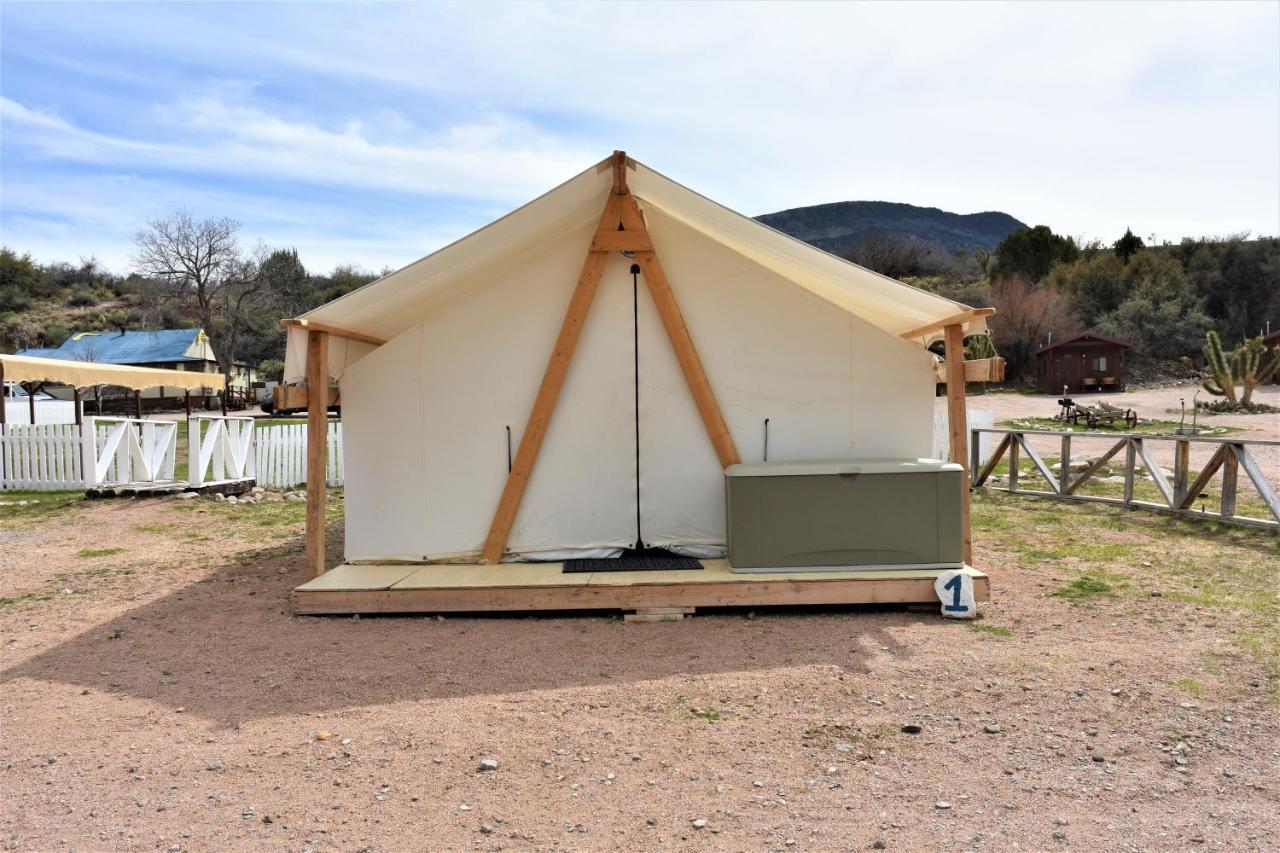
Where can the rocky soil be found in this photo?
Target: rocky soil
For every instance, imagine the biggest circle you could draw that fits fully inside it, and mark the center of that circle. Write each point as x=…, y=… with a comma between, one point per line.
x=1119, y=693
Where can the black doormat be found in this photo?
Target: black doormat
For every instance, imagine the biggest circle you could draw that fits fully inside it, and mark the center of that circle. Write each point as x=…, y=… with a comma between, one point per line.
x=631, y=564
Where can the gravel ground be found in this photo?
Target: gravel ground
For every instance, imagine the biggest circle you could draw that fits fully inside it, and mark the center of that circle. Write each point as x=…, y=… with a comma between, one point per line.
x=162, y=697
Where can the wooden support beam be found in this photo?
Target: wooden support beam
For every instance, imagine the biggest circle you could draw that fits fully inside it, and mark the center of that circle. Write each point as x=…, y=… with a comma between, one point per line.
x=621, y=227
x=1206, y=474
x=993, y=461
x=958, y=424
x=687, y=355
x=543, y=405
x=1156, y=472
x=1265, y=490
x=1038, y=461
x=621, y=241
x=317, y=451
x=335, y=331
x=1097, y=464
x=954, y=320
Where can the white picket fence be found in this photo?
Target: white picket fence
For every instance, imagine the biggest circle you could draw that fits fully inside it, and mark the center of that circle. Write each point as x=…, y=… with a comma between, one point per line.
x=282, y=455
x=18, y=411
x=44, y=457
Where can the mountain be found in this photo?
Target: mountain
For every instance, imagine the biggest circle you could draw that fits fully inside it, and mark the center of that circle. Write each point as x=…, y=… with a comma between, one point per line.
x=837, y=226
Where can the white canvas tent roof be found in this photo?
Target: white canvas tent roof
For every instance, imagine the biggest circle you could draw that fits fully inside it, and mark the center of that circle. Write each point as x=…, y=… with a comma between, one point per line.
x=399, y=301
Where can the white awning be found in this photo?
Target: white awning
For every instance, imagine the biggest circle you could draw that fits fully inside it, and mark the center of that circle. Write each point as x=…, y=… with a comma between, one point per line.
x=83, y=374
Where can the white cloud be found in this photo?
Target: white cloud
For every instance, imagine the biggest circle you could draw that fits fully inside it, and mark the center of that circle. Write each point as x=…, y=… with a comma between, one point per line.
x=1089, y=118
x=500, y=158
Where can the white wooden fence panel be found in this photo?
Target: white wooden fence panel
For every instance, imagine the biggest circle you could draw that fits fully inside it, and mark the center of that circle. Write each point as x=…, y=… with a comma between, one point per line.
x=43, y=458
x=978, y=419
x=282, y=455
x=220, y=448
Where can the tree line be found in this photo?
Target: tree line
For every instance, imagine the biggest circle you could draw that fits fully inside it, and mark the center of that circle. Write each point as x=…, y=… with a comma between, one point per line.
x=1160, y=299
x=194, y=272
x=185, y=272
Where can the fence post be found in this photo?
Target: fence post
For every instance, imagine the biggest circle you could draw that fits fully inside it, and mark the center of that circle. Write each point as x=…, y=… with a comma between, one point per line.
x=1064, y=465
x=1230, y=480
x=1130, y=466
x=89, y=451
x=195, y=471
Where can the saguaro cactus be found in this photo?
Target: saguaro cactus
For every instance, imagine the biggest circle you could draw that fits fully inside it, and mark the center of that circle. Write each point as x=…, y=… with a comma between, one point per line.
x=1239, y=368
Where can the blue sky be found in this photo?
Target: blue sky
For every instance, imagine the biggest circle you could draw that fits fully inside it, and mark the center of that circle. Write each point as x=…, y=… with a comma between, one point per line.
x=373, y=134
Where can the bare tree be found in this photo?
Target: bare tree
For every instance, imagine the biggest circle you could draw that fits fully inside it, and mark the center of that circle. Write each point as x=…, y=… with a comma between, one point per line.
x=201, y=264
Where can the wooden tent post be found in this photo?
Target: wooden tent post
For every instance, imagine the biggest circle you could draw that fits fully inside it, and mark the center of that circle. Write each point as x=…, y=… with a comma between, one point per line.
x=317, y=449
x=30, y=388
x=622, y=229
x=958, y=425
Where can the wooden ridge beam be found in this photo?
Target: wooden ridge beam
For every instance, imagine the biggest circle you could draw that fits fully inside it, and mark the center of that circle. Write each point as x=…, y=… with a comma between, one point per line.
x=955, y=319
x=335, y=331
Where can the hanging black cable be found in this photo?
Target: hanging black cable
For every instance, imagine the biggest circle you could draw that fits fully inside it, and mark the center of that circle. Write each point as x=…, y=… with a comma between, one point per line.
x=635, y=332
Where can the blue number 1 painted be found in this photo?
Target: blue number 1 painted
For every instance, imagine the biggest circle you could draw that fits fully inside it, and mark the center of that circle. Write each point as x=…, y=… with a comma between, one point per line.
x=955, y=585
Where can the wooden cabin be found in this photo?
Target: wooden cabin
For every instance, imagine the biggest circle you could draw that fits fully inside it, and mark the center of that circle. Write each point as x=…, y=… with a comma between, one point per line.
x=1082, y=364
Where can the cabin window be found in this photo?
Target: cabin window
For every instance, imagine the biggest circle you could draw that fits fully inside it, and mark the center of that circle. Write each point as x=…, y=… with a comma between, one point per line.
x=1098, y=364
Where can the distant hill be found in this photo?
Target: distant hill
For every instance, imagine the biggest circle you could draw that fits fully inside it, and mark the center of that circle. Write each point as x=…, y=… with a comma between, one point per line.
x=839, y=225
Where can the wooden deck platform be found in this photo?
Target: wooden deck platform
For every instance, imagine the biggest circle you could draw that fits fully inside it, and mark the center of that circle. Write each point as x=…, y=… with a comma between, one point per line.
x=441, y=588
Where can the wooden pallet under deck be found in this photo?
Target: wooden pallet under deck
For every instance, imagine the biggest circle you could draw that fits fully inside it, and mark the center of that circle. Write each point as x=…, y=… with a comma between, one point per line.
x=437, y=588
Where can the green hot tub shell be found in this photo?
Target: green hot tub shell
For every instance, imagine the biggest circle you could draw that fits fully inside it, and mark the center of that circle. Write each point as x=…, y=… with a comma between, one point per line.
x=844, y=513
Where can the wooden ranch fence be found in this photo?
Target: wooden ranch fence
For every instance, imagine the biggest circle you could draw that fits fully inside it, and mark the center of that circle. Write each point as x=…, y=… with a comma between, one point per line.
x=1178, y=493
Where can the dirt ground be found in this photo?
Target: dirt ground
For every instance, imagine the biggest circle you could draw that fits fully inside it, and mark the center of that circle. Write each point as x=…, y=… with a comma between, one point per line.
x=1121, y=692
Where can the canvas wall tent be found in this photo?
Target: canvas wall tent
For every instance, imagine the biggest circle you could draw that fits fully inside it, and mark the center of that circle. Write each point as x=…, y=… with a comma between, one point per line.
x=440, y=366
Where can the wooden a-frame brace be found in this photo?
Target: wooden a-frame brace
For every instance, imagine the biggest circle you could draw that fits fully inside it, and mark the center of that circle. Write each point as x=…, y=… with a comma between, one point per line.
x=622, y=229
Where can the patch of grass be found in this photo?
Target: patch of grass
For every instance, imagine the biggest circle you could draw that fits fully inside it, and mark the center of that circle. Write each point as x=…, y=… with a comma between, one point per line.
x=154, y=528
x=992, y=630
x=1156, y=426
x=711, y=715
x=90, y=553
x=1095, y=583
x=1190, y=686
x=40, y=507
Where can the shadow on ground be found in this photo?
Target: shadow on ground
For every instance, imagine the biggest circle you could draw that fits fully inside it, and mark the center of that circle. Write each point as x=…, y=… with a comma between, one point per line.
x=227, y=648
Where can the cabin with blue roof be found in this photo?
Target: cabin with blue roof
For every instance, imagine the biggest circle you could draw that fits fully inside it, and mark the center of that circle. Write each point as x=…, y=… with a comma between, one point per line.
x=170, y=349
